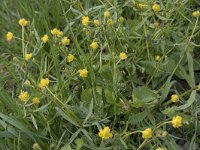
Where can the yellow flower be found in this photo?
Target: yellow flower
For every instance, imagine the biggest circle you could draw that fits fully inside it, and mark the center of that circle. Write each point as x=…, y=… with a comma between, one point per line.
x=9, y=36
x=45, y=38
x=174, y=98
x=106, y=14
x=157, y=58
x=23, y=96
x=105, y=133
x=196, y=13
x=43, y=83
x=28, y=56
x=96, y=22
x=70, y=58
x=35, y=100
x=122, y=56
x=177, y=121
x=110, y=22
x=94, y=45
x=23, y=22
x=159, y=148
x=85, y=20
x=57, y=32
x=83, y=72
x=65, y=41
x=36, y=146
x=147, y=133
x=156, y=7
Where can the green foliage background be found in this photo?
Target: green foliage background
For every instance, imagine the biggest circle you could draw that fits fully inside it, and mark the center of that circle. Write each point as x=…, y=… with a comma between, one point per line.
x=125, y=95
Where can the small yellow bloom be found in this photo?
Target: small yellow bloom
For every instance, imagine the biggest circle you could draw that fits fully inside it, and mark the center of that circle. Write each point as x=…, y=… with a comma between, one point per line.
x=96, y=22
x=83, y=72
x=9, y=36
x=28, y=56
x=159, y=148
x=27, y=83
x=35, y=100
x=105, y=133
x=106, y=14
x=57, y=32
x=70, y=58
x=45, y=38
x=156, y=7
x=23, y=22
x=36, y=146
x=174, y=98
x=122, y=56
x=85, y=20
x=177, y=121
x=147, y=133
x=23, y=96
x=196, y=13
x=110, y=22
x=65, y=41
x=157, y=58
x=44, y=82
x=94, y=45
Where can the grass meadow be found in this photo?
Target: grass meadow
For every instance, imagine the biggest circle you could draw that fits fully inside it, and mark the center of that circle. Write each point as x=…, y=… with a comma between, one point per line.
x=99, y=74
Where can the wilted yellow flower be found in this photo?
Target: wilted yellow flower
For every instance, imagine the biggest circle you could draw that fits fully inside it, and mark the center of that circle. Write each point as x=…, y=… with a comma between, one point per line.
x=45, y=38
x=196, y=13
x=43, y=83
x=96, y=22
x=110, y=22
x=156, y=7
x=106, y=14
x=27, y=83
x=177, y=121
x=57, y=32
x=35, y=100
x=36, y=146
x=23, y=96
x=157, y=58
x=70, y=58
x=85, y=20
x=65, y=41
x=9, y=36
x=174, y=98
x=94, y=45
x=23, y=22
x=83, y=72
x=147, y=133
x=122, y=56
x=28, y=56
x=105, y=133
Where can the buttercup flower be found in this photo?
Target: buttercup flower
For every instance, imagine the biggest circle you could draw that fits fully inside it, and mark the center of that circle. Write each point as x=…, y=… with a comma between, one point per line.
x=70, y=58
x=9, y=36
x=156, y=7
x=105, y=133
x=44, y=82
x=23, y=22
x=35, y=100
x=96, y=22
x=45, y=38
x=177, y=121
x=28, y=56
x=85, y=20
x=94, y=45
x=174, y=98
x=65, y=41
x=147, y=133
x=106, y=14
x=196, y=13
x=110, y=22
x=122, y=56
x=83, y=72
x=57, y=32
x=23, y=96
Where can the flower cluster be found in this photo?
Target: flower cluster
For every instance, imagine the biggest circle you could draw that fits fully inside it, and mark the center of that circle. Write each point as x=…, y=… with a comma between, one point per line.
x=105, y=133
